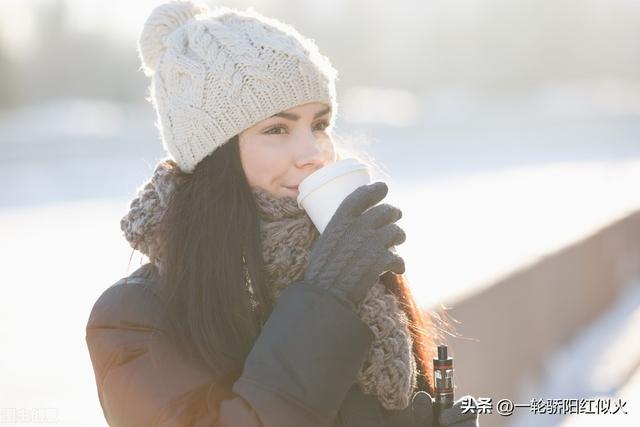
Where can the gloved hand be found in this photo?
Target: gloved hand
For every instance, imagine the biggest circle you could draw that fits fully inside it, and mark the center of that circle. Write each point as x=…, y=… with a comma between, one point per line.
x=424, y=406
x=353, y=250
x=309, y=352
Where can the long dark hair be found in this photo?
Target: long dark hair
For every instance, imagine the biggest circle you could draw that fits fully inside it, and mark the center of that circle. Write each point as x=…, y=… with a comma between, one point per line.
x=212, y=223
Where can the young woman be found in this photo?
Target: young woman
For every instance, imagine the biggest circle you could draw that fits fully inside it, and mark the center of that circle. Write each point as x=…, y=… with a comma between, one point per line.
x=246, y=315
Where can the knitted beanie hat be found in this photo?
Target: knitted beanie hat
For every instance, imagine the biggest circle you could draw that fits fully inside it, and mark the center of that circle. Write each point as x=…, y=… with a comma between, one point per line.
x=216, y=73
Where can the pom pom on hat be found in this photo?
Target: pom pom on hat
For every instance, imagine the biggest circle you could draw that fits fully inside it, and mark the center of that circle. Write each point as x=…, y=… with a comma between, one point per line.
x=162, y=21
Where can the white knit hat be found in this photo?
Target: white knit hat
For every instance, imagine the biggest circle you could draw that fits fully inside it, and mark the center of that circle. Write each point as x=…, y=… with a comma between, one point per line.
x=216, y=73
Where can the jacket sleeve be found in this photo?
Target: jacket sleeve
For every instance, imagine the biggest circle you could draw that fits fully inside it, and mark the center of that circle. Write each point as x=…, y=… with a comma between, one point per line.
x=141, y=379
x=298, y=372
x=305, y=360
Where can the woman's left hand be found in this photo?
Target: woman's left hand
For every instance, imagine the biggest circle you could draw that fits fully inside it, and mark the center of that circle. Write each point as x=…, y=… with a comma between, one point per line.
x=455, y=416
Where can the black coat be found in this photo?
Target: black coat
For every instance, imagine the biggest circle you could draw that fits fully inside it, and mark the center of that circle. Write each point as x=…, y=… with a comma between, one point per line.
x=300, y=372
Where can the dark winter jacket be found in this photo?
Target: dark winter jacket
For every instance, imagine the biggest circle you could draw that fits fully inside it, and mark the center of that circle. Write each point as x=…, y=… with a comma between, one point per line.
x=300, y=372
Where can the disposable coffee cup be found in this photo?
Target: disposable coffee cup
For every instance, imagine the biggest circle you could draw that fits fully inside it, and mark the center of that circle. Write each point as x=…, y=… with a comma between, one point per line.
x=321, y=193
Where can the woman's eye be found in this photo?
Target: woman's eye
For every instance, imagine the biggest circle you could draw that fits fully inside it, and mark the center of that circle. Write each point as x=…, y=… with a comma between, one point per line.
x=323, y=125
x=275, y=128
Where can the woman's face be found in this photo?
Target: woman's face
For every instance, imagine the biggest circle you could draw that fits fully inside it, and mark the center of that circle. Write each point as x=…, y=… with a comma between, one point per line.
x=281, y=151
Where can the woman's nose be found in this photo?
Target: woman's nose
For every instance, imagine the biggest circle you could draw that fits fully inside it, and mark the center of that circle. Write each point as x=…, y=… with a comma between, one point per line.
x=312, y=151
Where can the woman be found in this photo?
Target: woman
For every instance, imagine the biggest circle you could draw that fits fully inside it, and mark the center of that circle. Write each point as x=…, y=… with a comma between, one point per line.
x=246, y=316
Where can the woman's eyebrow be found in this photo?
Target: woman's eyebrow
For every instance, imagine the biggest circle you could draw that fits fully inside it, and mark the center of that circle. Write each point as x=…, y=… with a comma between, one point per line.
x=294, y=117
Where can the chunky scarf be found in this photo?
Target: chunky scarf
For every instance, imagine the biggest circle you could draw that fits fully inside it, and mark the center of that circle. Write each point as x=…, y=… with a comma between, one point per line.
x=389, y=371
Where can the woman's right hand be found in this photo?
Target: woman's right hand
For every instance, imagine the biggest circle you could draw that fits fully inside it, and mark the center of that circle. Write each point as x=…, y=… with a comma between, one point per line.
x=354, y=249
x=300, y=369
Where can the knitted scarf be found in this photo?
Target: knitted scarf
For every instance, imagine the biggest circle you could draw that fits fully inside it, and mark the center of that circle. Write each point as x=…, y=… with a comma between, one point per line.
x=389, y=370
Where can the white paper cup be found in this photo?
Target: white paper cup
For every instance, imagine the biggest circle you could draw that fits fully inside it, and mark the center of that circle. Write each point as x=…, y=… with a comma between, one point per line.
x=321, y=193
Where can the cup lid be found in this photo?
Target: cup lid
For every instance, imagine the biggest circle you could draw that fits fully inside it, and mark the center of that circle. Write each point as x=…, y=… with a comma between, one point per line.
x=326, y=174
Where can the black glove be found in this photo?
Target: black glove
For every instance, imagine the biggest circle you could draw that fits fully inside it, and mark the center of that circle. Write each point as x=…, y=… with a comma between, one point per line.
x=311, y=348
x=353, y=251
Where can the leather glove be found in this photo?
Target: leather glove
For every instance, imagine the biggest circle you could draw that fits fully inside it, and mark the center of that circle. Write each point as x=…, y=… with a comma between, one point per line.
x=353, y=250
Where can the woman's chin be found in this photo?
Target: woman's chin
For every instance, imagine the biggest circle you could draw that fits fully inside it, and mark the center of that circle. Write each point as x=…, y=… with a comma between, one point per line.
x=289, y=192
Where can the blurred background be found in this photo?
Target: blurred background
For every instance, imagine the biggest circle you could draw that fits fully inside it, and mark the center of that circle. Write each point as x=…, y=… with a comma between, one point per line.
x=509, y=133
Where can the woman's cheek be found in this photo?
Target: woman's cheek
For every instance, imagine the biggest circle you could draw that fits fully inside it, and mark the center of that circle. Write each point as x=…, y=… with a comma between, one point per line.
x=273, y=165
x=255, y=163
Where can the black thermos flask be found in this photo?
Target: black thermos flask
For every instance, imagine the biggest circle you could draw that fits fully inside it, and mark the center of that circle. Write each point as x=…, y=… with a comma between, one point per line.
x=443, y=382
